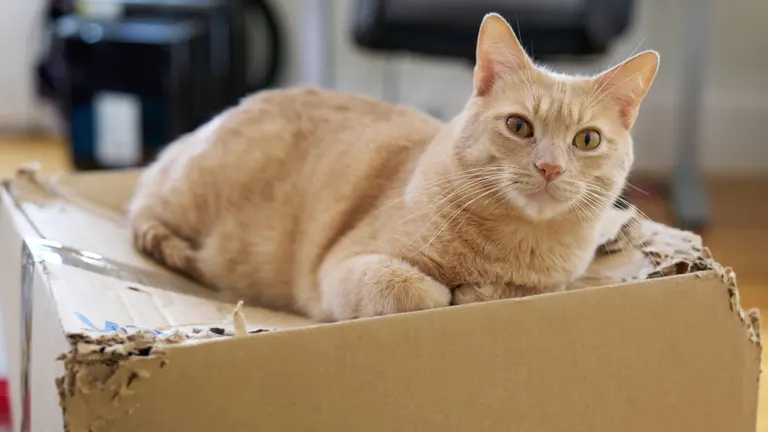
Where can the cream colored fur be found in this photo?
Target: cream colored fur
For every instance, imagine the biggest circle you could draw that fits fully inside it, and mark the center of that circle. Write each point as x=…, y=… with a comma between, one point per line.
x=337, y=206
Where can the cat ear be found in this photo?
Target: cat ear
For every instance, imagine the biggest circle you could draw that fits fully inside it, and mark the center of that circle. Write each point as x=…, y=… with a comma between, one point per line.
x=627, y=84
x=498, y=53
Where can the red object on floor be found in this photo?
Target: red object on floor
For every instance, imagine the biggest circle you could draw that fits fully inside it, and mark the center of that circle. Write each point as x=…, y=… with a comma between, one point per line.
x=5, y=404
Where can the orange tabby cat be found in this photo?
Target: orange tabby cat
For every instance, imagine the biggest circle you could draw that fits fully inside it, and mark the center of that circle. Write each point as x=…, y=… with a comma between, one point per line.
x=336, y=206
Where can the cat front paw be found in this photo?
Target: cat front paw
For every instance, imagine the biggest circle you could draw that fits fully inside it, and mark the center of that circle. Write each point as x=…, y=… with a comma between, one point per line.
x=391, y=286
x=475, y=292
x=479, y=292
x=403, y=293
x=373, y=285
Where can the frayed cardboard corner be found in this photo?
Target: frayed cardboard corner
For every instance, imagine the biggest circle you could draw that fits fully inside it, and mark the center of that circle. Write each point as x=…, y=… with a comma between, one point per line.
x=112, y=348
x=669, y=252
x=750, y=318
x=756, y=326
x=94, y=358
x=98, y=362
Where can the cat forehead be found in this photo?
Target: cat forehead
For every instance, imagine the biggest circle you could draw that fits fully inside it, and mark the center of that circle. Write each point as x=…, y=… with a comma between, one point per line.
x=558, y=97
x=549, y=83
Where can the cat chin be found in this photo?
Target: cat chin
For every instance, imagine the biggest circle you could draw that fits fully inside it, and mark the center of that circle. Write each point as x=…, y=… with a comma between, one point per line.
x=540, y=206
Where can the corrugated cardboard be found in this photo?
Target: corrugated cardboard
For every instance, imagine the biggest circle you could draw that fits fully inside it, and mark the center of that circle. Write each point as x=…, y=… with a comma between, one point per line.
x=102, y=339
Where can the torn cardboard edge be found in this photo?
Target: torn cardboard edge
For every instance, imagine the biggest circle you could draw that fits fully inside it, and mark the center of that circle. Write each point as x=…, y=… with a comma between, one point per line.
x=96, y=357
x=751, y=317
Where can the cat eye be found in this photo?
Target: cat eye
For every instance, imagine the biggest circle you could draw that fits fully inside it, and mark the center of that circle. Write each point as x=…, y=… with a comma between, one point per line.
x=519, y=126
x=588, y=139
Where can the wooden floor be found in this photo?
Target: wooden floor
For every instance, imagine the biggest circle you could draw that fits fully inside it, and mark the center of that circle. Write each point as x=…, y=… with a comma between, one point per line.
x=738, y=236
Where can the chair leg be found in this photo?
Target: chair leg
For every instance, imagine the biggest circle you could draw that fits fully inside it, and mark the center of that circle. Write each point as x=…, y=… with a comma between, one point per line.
x=689, y=197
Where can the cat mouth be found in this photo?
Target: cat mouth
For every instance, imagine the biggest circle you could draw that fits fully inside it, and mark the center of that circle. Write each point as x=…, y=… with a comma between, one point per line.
x=544, y=194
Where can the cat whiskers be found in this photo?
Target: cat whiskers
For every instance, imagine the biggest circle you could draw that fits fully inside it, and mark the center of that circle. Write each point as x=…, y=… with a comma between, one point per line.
x=581, y=211
x=482, y=185
x=466, y=189
x=616, y=197
x=585, y=211
x=483, y=188
x=500, y=193
x=446, y=223
x=598, y=192
x=461, y=175
x=451, y=192
x=638, y=189
x=598, y=204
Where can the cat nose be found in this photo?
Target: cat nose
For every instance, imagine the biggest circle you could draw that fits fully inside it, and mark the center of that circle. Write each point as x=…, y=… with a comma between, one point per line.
x=550, y=171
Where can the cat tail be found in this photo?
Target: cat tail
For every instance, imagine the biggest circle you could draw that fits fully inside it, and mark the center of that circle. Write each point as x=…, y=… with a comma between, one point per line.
x=155, y=239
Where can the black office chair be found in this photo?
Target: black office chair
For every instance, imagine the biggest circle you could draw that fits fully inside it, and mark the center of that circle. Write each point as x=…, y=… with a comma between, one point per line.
x=547, y=28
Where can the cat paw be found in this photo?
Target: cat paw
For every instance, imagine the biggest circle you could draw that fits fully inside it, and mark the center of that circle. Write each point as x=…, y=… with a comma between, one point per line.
x=474, y=293
x=405, y=294
x=403, y=290
x=376, y=284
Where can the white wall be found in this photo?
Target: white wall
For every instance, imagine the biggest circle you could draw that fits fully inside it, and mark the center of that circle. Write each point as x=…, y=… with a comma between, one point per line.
x=736, y=96
x=19, y=39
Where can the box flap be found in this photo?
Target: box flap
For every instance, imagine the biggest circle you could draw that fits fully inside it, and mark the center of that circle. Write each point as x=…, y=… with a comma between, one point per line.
x=95, y=293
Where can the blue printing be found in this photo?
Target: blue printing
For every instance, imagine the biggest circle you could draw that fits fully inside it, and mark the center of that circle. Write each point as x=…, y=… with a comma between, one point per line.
x=110, y=326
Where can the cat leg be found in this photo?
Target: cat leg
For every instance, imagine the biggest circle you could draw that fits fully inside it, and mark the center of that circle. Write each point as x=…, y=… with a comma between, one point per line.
x=155, y=239
x=371, y=285
x=475, y=293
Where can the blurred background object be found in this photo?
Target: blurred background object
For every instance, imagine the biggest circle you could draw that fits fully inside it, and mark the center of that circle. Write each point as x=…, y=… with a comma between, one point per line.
x=129, y=76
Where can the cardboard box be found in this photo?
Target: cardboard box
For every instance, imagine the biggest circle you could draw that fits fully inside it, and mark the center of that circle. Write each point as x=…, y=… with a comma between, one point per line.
x=101, y=339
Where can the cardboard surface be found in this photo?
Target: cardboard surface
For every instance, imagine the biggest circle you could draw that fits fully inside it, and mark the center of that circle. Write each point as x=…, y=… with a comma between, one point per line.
x=14, y=226
x=124, y=345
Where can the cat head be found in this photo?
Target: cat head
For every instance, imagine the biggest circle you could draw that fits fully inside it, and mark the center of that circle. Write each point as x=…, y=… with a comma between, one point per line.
x=554, y=143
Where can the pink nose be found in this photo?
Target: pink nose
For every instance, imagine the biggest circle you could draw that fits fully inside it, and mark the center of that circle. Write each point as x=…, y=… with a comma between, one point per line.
x=550, y=171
